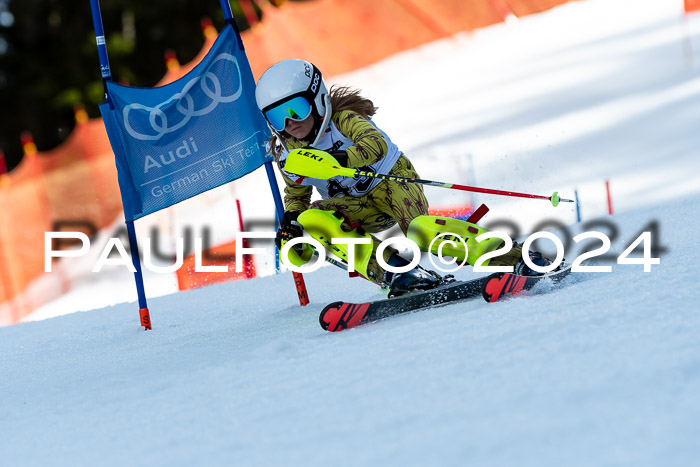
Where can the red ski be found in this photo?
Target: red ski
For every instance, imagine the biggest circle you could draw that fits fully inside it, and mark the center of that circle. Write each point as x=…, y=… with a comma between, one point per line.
x=343, y=315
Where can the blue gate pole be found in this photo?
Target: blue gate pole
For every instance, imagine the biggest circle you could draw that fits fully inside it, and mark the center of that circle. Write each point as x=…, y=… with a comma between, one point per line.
x=578, y=206
x=277, y=252
x=100, y=38
x=107, y=76
x=226, y=7
x=279, y=208
x=138, y=276
x=228, y=16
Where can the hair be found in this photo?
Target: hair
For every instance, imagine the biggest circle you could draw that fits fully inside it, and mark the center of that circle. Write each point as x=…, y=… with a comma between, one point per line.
x=342, y=98
x=346, y=98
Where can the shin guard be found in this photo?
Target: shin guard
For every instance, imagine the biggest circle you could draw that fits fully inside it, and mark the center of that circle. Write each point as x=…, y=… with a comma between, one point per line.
x=325, y=226
x=424, y=229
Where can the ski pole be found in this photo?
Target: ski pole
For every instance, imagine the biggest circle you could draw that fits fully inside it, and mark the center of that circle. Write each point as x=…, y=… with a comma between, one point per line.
x=315, y=163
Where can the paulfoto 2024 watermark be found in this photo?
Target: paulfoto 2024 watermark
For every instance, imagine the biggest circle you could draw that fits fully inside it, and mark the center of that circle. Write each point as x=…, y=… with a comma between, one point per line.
x=645, y=241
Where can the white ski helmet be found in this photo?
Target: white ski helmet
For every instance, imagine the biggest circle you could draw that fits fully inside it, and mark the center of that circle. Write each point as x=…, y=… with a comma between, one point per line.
x=279, y=89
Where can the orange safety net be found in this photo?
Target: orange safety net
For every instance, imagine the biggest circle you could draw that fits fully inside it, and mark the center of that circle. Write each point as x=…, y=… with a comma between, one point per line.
x=72, y=187
x=343, y=35
x=692, y=5
x=77, y=181
x=457, y=212
x=222, y=255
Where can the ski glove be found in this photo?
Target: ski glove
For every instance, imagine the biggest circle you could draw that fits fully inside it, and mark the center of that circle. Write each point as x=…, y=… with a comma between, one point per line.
x=289, y=228
x=340, y=156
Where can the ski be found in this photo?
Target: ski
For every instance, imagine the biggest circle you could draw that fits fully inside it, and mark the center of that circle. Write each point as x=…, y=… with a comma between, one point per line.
x=503, y=284
x=343, y=315
x=338, y=316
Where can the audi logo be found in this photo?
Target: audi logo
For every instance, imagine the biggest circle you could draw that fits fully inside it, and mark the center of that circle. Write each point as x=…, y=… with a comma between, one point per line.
x=209, y=84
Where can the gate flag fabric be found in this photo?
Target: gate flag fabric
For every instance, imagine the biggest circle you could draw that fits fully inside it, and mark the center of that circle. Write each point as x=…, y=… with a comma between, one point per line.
x=179, y=140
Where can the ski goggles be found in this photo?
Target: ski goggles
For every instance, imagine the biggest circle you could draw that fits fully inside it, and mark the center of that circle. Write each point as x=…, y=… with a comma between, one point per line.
x=296, y=108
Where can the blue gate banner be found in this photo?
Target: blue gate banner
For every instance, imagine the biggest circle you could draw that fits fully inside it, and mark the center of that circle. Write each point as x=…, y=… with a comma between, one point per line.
x=182, y=139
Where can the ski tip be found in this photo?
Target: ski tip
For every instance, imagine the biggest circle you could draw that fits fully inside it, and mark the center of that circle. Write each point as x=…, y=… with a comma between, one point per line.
x=341, y=315
x=501, y=284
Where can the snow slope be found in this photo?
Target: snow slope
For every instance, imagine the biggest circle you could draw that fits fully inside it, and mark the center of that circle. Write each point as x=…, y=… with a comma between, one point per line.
x=603, y=371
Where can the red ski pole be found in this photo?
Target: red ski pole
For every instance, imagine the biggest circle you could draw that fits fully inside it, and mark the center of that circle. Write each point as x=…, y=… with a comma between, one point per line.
x=319, y=164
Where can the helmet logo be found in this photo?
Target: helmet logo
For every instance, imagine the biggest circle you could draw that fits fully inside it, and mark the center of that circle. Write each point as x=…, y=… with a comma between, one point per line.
x=307, y=70
x=314, y=85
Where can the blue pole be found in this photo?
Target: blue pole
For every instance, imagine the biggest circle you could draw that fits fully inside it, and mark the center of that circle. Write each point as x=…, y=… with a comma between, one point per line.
x=107, y=76
x=101, y=43
x=138, y=276
x=100, y=37
x=228, y=16
x=226, y=7
x=279, y=207
x=277, y=252
x=137, y=264
x=578, y=208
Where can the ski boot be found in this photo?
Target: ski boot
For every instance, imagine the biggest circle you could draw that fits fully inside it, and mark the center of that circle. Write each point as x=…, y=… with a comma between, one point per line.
x=522, y=269
x=416, y=279
x=514, y=257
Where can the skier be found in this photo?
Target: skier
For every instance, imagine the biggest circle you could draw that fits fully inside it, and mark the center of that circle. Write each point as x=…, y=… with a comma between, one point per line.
x=302, y=113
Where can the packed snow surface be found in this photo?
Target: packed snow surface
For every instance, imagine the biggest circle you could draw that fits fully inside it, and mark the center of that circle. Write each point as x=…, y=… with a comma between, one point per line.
x=603, y=370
